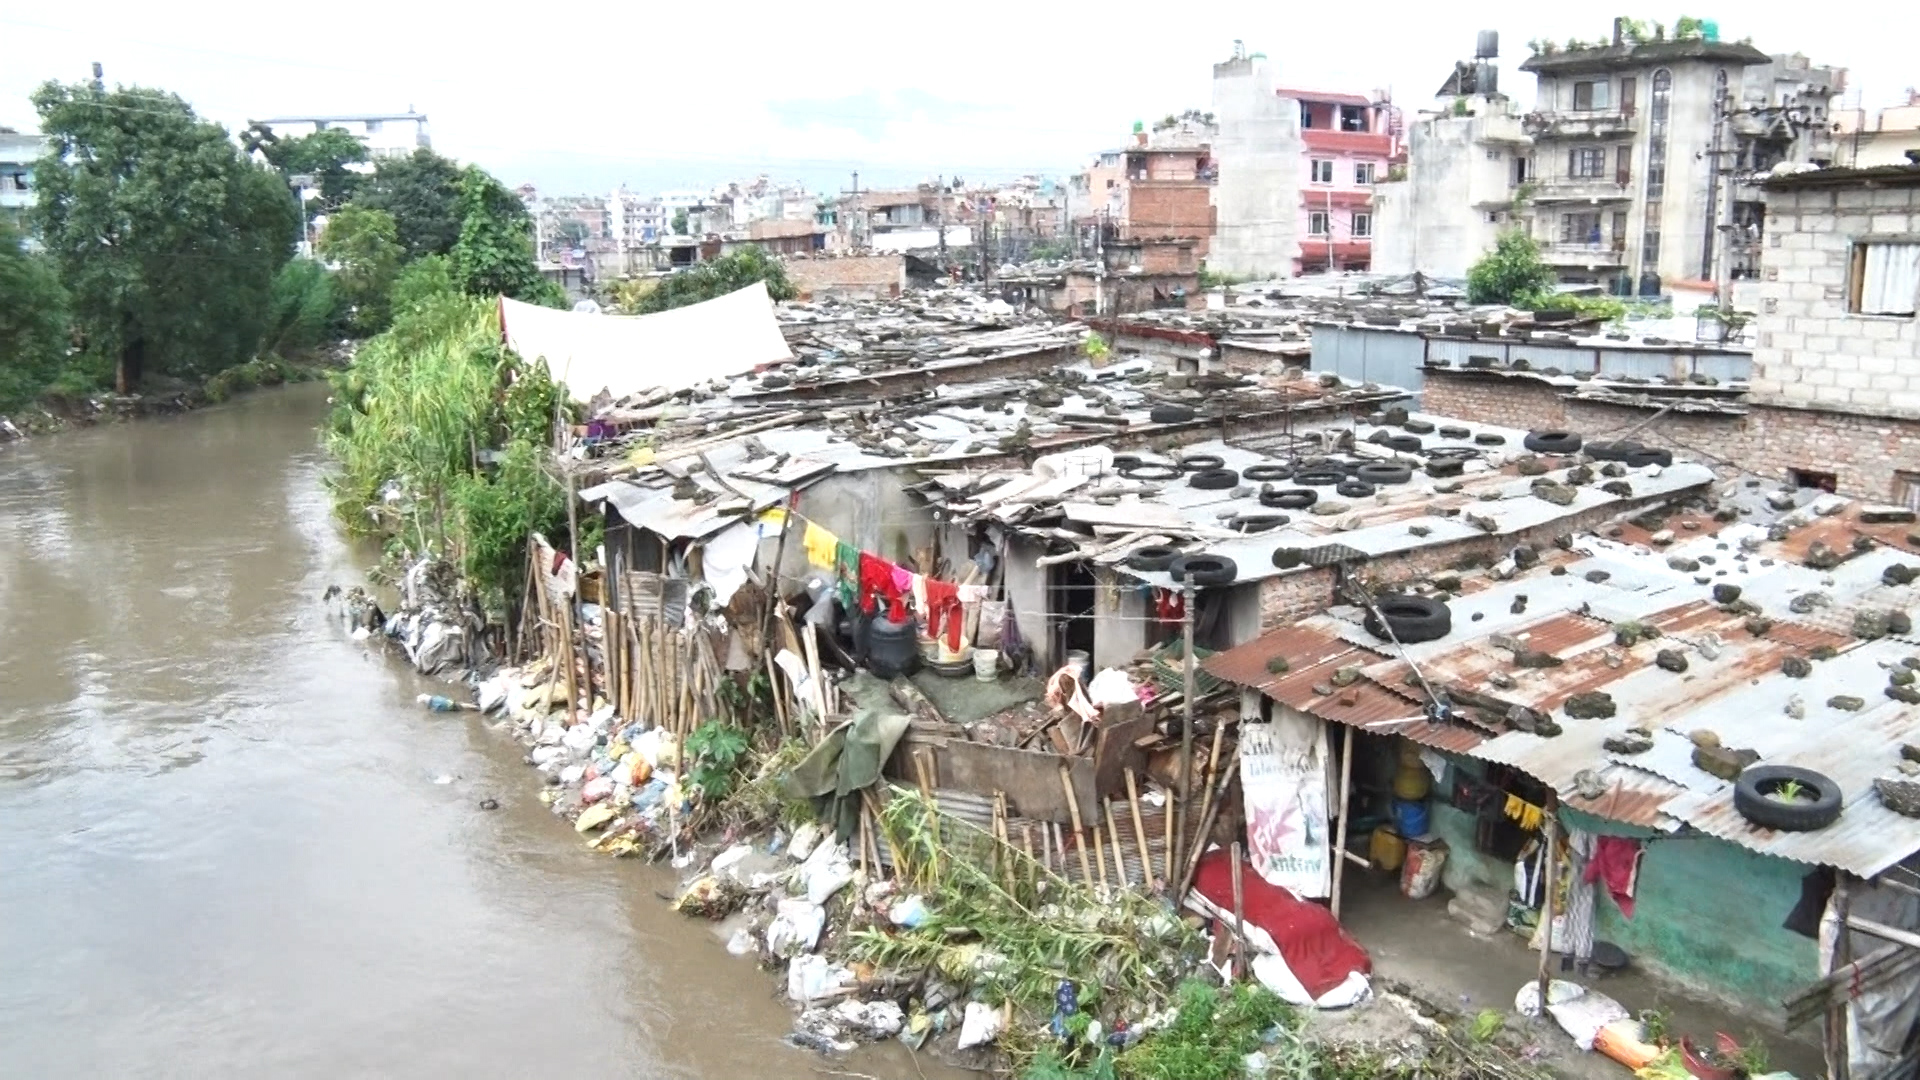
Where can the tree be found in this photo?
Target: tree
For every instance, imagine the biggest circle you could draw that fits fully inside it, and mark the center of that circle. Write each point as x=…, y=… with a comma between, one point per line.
x=165, y=234
x=323, y=155
x=729, y=273
x=364, y=247
x=494, y=255
x=422, y=192
x=679, y=223
x=33, y=321
x=1511, y=273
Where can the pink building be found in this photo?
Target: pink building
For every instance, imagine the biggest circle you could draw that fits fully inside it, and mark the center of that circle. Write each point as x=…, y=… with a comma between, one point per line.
x=1296, y=173
x=1347, y=144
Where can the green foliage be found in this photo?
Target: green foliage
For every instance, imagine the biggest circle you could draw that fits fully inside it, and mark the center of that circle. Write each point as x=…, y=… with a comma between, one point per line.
x=299, y=308
x=1594, y=307
x=323, y=155
x=496, y=513
x=258, y=372
x=726, y=274
x=716, y=751
x=1049, y=251
x=1460, y=107
x=165, y=235
x=679, y=223
x=1051, y=1064
x=364, y=247
x=33, y=321
x=1095, y=347
x=1688, y=28
x=422, y=193
x=1486, y=1025
x=1211, y=1034
x=419, y=283
x=494, y=255
x=1510, y=273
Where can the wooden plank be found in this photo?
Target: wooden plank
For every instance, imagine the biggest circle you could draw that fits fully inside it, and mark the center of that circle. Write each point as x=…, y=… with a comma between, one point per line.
x=1030, y=778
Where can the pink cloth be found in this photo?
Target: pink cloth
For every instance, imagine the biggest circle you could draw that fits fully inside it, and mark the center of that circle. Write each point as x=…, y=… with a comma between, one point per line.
x=1616, y=861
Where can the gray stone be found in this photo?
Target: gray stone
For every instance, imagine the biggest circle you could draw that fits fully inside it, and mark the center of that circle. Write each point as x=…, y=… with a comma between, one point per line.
x=1597, y=576
x=1846, y=703
x=1870, y=625
x=1632, y=742
x=1726, y=594
x=1670, y=660
x=1796, y=707
x=1557, y=494
x=1593, y=705
x=1615, y=470
x=1796, y=667
x=1781, y=500
x=1806, y=602
x=1661, y=538
x=1720, y=761
x=1683, y=564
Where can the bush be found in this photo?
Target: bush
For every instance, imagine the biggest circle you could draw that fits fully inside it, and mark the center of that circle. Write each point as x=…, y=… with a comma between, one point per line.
x=1512, y=273
x=729, y=273
x=33, y=321
x=299, y=307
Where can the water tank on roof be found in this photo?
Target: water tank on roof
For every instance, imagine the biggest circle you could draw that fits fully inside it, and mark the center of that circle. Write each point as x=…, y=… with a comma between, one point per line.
x=1710, y=29
x=1488, y=45
x=1486, y=77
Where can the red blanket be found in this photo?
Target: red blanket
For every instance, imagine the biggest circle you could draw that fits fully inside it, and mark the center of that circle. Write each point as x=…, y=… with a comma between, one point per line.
x=1310, y=939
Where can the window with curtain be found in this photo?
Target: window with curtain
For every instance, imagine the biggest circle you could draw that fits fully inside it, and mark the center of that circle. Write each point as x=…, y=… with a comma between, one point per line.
x=1885, y=278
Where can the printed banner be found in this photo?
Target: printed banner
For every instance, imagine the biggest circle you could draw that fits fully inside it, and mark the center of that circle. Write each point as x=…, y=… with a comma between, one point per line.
x=1283, y=771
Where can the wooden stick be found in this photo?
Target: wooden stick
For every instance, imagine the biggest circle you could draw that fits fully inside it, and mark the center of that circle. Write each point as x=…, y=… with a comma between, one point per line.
x=566, y=653
x=1099, y=854
x=1059, y=846
x=1079, y=830
x=1213, y=771
x=1206, y=829
x=1239, y=918
x=1113, y=835
x=1004, y=851
x=865, y=839
x=1340, y=838
x=1168, y=879
x=1139, y=830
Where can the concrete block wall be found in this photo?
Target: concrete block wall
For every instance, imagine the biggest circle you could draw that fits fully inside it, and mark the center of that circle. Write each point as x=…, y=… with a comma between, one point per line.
x=1811, y=351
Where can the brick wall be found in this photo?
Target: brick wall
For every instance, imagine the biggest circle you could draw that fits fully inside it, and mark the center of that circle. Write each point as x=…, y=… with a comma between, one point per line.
x=1493, y=399
x=1810, y=350
x=848, y=276
x=1170, y=210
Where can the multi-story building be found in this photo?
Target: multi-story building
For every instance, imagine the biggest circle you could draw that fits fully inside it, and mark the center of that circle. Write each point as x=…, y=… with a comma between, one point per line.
x=1642, y=147
x=1155, y=195
x=1464, y=180
x=1888, y=137
x=385, y=135
x=1296, y=172
x=18, y=152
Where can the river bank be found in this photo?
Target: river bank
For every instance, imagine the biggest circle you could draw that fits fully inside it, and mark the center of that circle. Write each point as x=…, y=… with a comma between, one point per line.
x=55, y=412
x=227, y=850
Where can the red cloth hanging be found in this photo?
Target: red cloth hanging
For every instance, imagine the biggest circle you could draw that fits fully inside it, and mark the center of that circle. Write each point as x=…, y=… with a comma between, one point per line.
x=876, y=579
x=1616, y=861
x=944, y=612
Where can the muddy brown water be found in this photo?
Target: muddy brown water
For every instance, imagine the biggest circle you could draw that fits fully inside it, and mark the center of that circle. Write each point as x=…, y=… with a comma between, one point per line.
x=223, y=850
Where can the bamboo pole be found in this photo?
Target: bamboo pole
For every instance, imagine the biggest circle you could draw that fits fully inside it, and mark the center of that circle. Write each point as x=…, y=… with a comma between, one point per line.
x=1186, y=710
x=1139, y=830
x=1546, y=903
x=1239, y=919
x=1113, y=836
x=1079, y=830
x=1167, y=824
x=1206, y=790
x=1206, y=828
x=566, y=657
x=1099, y=854
x=1346, y=804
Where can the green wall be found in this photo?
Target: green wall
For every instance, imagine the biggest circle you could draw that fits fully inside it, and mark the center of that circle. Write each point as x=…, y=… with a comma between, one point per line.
x=1708, y=912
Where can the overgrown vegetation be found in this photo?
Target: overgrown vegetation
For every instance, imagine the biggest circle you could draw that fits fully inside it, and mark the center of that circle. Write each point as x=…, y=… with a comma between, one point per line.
x=414, y=421
x=716, y=751
x=728, y=273
x=33, y=321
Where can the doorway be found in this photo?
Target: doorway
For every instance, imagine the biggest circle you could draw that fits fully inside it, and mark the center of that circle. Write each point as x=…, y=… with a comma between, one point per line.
x=1072, y=592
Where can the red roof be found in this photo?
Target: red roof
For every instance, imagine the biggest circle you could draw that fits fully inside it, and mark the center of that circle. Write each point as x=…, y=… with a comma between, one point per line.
x=1322, y=95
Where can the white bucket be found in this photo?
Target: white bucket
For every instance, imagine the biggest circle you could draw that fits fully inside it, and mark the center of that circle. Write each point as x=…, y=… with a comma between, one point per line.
x=986, y=664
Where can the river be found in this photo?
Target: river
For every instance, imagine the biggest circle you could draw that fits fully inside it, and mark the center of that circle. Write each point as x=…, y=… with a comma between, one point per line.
x=225, y=844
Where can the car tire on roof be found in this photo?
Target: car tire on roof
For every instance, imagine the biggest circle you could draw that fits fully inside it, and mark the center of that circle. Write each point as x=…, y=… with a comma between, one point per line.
x=1262, y=473
x=1454, y=431
x=1122, y=462
x=1444, y=467
x=1255, y=523
x=1619, y=450
x=1383, y=472
x=1412, y=619
x=1151, y=470
x=1213, y=479
x=1152, y=557
x=1201, y=462
x=1490, y=438
x=1417, y=427
x=1403, y=444
x=1204, y=569
x=1354, y=489
x=1289, y=498
x=1756, y=796
x=1286, y=558
x=1320, y=476
x=1640, y=459
x=1552, y=442
x=1170, y=414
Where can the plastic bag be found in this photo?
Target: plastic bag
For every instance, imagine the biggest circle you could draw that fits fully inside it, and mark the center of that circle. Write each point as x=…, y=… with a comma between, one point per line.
x=980, y=1025
x=993, y=616
x=812, y=978
x=826, y=871
x=796, y=929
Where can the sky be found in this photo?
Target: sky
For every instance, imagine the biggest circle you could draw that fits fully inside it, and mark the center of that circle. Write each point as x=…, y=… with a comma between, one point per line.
x=582, y=97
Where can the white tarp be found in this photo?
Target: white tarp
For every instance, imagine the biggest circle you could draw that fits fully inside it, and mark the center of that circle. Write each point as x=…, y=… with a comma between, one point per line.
x=1283, y=772
x=628, y=354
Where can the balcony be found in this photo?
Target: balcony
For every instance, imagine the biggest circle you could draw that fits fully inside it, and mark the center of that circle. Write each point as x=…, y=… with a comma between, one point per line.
x=1591, y=124
x=1569, y=253
x=1585, y=189
x=1366, y=143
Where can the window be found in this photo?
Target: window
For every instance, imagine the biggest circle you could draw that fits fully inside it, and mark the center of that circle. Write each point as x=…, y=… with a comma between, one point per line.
x=1353, y=118
x=1589, y=96
x=1582, y=228
x=1906, y=489
x=1522, y=170
x=1322, y=171
x=1623, y=165
x=373, y=127
x=1884, y=278
x=1363, y=173
x=1362, y=225
x=1586, y=162
x=1317, y=223
x=1620, y=230
x=1627, y=91
x=1306, y=115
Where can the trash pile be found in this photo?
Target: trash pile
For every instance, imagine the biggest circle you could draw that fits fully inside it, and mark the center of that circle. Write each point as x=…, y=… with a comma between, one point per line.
x=438, y=619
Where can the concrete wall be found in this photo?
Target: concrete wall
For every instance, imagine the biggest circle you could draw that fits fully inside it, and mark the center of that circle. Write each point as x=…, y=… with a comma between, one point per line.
x=1390, y=358
x=1257, y=198
x=1435, y=220
x=1812, y=351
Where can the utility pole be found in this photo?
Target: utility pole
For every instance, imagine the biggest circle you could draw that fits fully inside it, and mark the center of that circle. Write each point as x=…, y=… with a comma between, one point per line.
x=1714, y=171
x=940, y=192
x=1186, y=729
